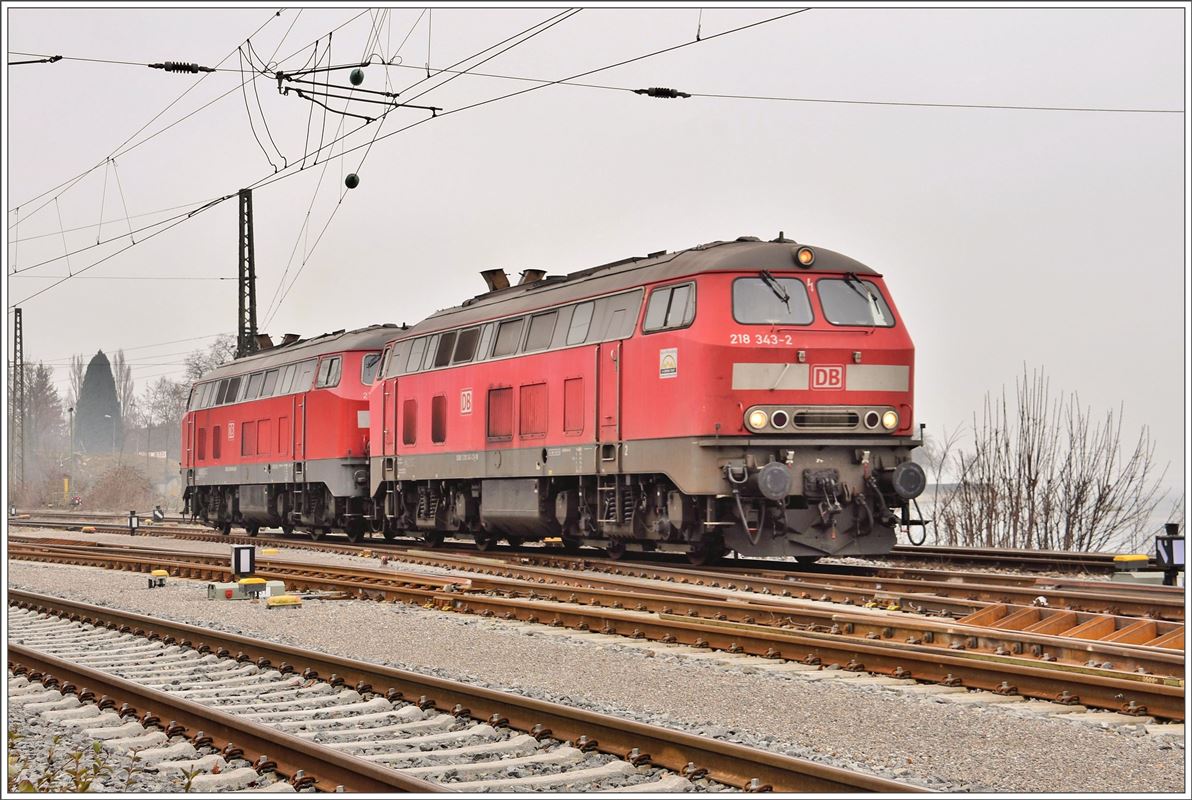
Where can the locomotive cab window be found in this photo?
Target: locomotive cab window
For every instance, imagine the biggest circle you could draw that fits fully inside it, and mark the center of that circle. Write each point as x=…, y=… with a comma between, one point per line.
x=329, y=371
x=369, y=366
x=670, y=307
x=767, y=300
x=851, y=301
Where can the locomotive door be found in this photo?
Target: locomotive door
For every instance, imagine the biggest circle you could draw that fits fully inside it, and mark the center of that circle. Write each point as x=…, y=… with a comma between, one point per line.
x=608, y=395
x=299, y=428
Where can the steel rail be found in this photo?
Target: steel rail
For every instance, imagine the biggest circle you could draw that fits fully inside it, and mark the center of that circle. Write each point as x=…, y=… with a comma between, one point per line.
x=926, y=590
x=1096, y=686
x=1131, y=656
x=329, y=767
x=726, y=762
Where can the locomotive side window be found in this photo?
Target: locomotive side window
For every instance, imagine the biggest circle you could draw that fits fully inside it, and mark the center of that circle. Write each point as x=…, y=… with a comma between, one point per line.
x=397, y=359
x=286, y=379
x=542, y=327
x=329, y=371
x=409, y=421
x=853, y=302
x=303, y=373
x=216, y=441
x=369, y=366
x=438, y=418
x=416, y=352
x=581, y=320
x=233, y=390
x=508, y=337
x=444, y=350
x=767, y=300
x=465, y=346
x=254, y=386
x=432, y=346
x=500, y=414
x=670, y=307
x=221, y=392
x=201, y=445
x=486, y=339
x=270, y=383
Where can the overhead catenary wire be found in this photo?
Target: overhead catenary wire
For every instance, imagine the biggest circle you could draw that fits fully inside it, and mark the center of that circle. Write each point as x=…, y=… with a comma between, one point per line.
x=512, y=41
x=125, y=147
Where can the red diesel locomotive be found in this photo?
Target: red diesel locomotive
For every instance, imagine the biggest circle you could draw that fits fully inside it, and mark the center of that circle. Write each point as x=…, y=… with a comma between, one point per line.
x=747, y=395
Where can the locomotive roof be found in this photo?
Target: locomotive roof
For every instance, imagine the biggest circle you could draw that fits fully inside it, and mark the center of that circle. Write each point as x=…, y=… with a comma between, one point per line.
x=373, y=337
x=746, y=253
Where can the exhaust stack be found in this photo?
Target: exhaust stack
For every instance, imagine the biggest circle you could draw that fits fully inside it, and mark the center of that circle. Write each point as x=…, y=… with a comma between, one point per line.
x=495, y=278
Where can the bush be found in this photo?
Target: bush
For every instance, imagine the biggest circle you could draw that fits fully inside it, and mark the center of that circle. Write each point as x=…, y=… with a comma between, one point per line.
x=120, y=488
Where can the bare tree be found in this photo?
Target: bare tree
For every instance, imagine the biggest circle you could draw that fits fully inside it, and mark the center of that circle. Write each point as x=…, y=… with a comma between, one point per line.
x=1046, y=475
x=78, y=367
x=221, y=351
x=125, y=389
x=938, y=456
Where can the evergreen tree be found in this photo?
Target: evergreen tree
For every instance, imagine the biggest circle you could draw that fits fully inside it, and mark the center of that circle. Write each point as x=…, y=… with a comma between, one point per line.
x=98, y=426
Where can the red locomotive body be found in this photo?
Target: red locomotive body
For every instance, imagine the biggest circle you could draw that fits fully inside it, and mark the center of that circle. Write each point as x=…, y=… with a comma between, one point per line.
x=752, y=396
x=280, y=438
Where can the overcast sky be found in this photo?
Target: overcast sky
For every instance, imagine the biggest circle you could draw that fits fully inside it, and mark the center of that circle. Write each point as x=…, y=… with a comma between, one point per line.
x=1051, y=239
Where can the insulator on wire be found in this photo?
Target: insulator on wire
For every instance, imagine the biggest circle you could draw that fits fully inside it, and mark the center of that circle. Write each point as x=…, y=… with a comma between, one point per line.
x=660, y=91
x=180, y=66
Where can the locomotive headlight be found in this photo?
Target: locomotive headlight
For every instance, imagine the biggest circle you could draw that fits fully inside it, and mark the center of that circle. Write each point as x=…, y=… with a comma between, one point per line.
x=805, y=256
x=758, y=419
x=890, y=420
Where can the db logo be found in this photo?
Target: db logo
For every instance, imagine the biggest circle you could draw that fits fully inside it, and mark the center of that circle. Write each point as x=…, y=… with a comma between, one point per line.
x=465, y=402
x=827, y=377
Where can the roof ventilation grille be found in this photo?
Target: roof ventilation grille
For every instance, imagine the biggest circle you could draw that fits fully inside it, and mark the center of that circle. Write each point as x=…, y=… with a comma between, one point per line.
x=531, y=276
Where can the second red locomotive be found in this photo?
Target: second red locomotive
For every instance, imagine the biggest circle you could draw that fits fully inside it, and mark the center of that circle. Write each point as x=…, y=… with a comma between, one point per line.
x=749, y=396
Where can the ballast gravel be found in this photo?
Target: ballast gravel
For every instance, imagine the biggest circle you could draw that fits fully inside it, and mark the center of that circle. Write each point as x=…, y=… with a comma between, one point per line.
x=890, y=733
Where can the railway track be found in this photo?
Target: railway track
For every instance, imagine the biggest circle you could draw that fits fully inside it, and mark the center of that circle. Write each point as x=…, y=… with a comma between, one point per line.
x=329, y=721
x=1095, y=563
x=1106, y=662
x=955, y=594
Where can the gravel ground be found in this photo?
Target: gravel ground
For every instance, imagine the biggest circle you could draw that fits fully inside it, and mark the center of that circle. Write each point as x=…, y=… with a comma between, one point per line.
x=914, y=739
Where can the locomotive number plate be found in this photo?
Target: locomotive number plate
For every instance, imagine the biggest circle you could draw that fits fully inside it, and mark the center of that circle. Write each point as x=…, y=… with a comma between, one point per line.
x=784, y=339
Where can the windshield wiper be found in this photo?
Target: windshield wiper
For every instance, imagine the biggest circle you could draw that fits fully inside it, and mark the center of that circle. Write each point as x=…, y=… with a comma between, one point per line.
x=876, y=317
x=776, y=288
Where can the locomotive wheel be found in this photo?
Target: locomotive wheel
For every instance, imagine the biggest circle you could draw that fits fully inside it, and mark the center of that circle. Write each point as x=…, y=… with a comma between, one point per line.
x=355, y=531
x=316, y=534
x=434, y=538
x=807, y=559
x=485, y=542
x=515, y=541
x=706, y=553
x=389, y=533
x=571, y=545
x=287, y=529
x=616, y=550
x=252, y=528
